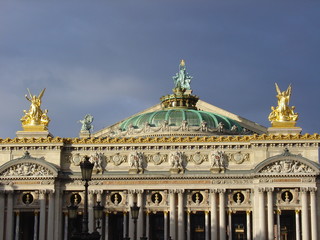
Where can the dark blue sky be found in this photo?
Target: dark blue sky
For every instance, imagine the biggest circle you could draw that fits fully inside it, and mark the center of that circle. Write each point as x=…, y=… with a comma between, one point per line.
x=115, y=58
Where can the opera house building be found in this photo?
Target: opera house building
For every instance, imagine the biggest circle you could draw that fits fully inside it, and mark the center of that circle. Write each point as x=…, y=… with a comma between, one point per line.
x=196, y=172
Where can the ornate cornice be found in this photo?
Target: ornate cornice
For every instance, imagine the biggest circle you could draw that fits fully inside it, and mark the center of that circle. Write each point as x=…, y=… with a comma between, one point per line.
x=173, y=139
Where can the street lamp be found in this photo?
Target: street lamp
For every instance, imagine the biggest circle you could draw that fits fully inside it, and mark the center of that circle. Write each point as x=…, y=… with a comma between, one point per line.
x=86, y=171
x=134, y=215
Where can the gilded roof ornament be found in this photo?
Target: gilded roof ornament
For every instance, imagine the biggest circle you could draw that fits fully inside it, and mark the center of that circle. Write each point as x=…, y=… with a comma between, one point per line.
x=182, y=79
x=35, y=119
x=283, y=115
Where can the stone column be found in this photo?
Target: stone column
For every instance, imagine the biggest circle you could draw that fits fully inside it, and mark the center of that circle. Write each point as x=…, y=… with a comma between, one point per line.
x=57, y=212
x=304, y=214
x=106, y=227
x=207, y=226
x=230, y=224
x=165, y=222
x=270, y=214
x=140, y=224
x=278, y=224
x=313, y=211
x=50, y=216
x=214, y=218
x=42, y=225
x=90, y=211
x=17, y=225
x=2, y=204
x=180, y=215
x=222, y=215
x=66, y=225
x=98, y=222
x=9, y=216
x=148, y=224
x=130, y=220
x=125, y=224
x=188, y=225
x=298, y=235
x=172, y=199
x=35, y=228
x=262, y=215
x=248, y=224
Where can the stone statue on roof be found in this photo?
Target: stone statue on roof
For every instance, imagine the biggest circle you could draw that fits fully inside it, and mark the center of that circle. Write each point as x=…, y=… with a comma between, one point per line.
x=87, y=123
x=182, y=79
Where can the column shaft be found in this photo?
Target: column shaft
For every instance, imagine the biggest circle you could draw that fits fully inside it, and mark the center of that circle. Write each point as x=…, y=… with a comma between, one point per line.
x=148, y=225
x=90, y=212
x=207, y=227
x=9, y=217
x=248, y=225
x=278, y=224
x=140, y=224
x=230, y=225
x=17, y=226
x=214, y=218
x=165, y=222
x=106, y=227
x=222, y=216
x=262, y=216
x=298, y=235
x=305, y=215
x=188, y=226
x=42, y=227
x=35, y=228
x=125, y=225
x=172, y=216
x=313, y=210
x=50, y=216
x=270, y=215
x=180, y=216
x=130, y=220
x=66, y=226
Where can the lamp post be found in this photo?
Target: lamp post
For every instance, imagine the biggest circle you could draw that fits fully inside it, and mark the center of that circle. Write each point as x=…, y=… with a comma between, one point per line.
x=134, y=215
x=86, y=171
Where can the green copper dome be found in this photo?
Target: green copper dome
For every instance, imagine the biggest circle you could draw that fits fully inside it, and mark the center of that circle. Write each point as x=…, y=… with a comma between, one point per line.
x=176, y=117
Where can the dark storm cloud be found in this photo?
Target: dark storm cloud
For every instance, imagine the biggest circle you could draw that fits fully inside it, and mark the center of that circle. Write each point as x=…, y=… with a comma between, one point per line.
x=113, y=59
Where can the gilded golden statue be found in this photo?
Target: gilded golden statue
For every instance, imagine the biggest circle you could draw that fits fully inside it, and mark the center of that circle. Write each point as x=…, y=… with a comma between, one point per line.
x=283, y=115
x=35, y=119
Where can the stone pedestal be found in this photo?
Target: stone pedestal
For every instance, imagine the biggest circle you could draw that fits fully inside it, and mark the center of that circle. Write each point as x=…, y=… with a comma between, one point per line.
x=284, y=130
x=33, y=134
x=84, y=134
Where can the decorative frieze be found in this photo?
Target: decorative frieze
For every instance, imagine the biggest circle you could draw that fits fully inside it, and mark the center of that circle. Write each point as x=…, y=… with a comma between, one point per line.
x=286, y=166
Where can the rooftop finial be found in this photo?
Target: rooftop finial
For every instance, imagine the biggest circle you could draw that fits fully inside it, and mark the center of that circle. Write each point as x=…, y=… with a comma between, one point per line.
x=182, y=79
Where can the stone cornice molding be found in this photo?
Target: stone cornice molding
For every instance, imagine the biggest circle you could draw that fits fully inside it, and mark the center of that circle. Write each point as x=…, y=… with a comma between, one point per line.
x=118, y=140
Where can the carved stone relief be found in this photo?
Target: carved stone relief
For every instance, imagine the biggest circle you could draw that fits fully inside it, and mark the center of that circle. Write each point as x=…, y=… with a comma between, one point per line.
x=286, y=166
x=27, y=169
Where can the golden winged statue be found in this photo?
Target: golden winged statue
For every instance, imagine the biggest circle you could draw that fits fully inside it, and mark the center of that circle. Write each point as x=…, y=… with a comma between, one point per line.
x=35, y=119
x=283, y=112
